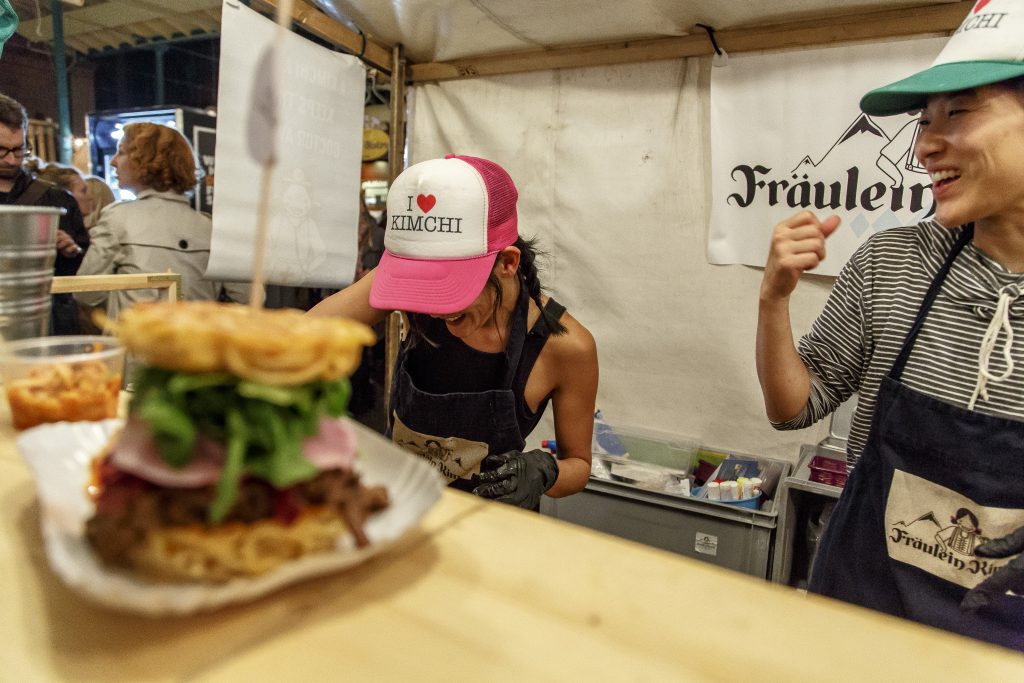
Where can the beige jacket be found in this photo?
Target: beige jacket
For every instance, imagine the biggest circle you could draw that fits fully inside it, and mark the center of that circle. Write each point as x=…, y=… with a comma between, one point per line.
x=154, y=233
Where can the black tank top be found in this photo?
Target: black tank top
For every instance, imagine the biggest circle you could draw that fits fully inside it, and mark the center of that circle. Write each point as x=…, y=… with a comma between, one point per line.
x=444, y=364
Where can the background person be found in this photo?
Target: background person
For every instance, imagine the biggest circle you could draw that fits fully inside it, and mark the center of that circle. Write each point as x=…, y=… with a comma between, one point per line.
x=101, y=196
x=158, y=231
x=922, y=322
x=91, y=197
x=367, y=404
x=67, y=178
x=486, y=349
x=18, y=187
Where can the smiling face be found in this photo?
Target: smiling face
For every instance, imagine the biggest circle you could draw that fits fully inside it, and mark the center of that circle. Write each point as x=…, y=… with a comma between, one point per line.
x=972, y=143
x=483, y=315
x=474, y=317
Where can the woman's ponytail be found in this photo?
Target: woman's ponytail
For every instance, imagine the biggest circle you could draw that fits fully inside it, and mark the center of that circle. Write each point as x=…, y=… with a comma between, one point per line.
x=528, y=272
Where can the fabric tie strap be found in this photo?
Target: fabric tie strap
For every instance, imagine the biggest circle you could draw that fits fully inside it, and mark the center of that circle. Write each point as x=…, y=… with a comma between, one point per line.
x=1000, y=320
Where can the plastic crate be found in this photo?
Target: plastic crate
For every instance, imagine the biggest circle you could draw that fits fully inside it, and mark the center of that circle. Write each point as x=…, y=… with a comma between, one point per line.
x=642, y=497
x=828, y=471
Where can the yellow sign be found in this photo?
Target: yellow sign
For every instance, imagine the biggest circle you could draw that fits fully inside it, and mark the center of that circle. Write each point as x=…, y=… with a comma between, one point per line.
x=375, y=144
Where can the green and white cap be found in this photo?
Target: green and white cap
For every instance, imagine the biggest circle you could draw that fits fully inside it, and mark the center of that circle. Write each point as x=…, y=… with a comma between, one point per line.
x=987, y=48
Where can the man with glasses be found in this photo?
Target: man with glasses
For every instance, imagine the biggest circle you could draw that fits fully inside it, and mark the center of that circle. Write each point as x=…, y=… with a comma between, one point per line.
x=17, y=186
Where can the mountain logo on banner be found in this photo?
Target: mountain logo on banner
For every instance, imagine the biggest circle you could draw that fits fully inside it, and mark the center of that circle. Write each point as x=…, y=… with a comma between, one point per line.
x=867, y=171
x=863, y=125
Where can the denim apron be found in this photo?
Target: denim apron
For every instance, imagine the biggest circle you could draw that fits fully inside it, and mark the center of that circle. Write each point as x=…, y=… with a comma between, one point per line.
x=456, y=431
x=934, y=482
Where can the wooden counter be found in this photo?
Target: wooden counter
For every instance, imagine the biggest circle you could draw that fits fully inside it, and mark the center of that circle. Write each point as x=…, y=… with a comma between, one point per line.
x=480, y=592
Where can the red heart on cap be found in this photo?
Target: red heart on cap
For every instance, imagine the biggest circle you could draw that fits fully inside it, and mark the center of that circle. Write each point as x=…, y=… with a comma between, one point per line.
x=980, y=5
x=426, y=202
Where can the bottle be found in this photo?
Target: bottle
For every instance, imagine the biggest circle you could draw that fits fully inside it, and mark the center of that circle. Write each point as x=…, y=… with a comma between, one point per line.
x=605, y=440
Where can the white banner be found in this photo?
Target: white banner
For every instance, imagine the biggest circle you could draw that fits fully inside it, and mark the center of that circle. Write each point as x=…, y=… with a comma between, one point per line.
x=313, y=206
x=787, y=134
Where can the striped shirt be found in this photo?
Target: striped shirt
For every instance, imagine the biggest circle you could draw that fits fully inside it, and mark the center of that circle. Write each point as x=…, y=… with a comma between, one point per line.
x=854, y=342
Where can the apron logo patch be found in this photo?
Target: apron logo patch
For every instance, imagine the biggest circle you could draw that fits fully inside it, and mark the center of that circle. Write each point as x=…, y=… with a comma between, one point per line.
x=936, y=529
x=453, y=457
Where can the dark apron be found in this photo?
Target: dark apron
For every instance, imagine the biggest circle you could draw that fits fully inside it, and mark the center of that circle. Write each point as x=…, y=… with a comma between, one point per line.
x=934, y=482
x=456, y=431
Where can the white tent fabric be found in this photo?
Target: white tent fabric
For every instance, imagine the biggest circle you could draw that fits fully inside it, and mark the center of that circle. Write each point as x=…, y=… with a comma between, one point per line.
x=612, y=166
x=440, y=30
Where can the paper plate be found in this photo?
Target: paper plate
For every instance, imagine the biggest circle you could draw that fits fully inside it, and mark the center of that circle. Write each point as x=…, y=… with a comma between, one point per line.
x=60, y=456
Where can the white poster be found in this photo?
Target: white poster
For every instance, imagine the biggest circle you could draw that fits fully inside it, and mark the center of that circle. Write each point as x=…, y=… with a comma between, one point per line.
x=787, y=134
x=313, y=205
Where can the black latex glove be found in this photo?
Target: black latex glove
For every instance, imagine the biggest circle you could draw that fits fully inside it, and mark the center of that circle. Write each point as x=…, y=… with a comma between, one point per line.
x=517, y=478
x=1008, y=577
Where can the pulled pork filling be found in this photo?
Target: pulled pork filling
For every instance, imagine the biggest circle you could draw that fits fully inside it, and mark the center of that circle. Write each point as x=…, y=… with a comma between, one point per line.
x=129, y=507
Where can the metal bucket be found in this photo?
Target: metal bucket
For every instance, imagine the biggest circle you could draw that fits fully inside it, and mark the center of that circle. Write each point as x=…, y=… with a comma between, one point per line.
x=28, y=247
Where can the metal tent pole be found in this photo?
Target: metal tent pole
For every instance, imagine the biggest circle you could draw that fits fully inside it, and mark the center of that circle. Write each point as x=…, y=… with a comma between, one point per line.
x=61, y=68
x=159, y=52
x=396, y=164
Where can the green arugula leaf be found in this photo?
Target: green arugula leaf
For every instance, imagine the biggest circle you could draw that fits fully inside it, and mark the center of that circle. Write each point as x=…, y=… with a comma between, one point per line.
x=335, y=397
x=284, y=463
x=181, y=383
x=173, y=431
x=227, y=487
x=300, y=396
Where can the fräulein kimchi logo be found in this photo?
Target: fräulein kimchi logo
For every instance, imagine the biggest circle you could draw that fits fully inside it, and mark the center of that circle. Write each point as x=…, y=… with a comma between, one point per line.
x=953, y=543
x=895, y=190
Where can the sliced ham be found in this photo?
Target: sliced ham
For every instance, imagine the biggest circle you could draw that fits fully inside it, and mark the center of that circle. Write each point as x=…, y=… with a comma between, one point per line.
x=333, y=448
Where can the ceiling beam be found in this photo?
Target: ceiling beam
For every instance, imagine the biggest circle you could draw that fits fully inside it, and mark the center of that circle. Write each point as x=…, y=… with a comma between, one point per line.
x=909, y=21
x=326, y=28
x=113, y=14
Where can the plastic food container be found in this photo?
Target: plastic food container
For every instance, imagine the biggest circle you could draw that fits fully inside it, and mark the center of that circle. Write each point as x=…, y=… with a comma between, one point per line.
x=56, y=379
x=656, y=447
x=751, y=503
x=639, y=474
x=828, y=471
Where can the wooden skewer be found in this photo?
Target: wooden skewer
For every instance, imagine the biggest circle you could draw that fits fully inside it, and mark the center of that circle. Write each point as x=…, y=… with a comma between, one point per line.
x=262, y=215
x=284, y=18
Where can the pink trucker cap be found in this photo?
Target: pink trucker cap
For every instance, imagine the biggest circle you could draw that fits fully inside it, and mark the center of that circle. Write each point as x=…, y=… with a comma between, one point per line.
x=447, y=218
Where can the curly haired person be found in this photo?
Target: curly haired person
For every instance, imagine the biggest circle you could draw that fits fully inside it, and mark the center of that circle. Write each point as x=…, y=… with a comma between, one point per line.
x=157, y=231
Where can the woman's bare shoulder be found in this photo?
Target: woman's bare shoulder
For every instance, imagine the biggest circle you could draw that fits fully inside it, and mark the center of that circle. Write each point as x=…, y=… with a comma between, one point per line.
x=577, y=344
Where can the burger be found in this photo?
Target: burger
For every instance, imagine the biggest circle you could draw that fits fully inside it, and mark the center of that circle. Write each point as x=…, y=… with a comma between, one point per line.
x=232, y=461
